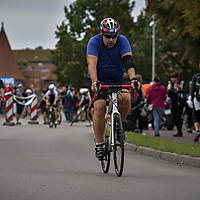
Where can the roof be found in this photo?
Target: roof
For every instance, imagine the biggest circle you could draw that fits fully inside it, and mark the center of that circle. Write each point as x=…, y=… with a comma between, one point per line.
x=32, y=55
x=8, y=63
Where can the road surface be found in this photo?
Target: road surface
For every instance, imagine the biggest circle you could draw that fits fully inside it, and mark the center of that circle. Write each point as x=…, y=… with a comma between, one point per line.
x=42, y=163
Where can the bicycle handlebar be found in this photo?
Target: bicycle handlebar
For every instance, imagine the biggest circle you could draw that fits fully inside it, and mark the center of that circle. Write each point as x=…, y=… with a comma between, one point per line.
x=115, y=86
x=101, y=85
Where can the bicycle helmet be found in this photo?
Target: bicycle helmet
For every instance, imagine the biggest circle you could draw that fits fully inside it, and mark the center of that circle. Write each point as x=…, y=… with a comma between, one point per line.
x=51, y=87
x=109, y=25
x=29, y=91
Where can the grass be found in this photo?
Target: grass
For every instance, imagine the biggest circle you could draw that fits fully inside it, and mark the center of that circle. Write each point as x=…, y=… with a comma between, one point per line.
x=163, y=144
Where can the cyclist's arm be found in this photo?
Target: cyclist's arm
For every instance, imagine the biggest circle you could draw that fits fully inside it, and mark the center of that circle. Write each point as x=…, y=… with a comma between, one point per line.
x=46, y=97
x=92, y=63
x=56, y=97
x=129, y=64
x=81, y=101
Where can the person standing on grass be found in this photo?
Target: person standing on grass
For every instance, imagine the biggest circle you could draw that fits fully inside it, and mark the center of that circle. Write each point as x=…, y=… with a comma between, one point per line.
x=195, y=98
x=156, y=95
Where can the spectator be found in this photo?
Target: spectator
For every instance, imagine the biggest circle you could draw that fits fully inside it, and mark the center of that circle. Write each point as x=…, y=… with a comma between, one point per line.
x=176, y=90
x=76, y=100
x=195, y=97
x=29, y=92
x=85, y=101
x=136, y=104
x=1, y=88
x=42, y=107
x=20, y=106
x=188, y=111
x=156, y=94
x=145, y=86
x=69, y=89
x=67, y=100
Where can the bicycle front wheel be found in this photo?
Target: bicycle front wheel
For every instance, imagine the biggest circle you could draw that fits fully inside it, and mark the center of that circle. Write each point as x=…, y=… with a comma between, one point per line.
x=118, y=149
x=105, y=162
x=51, y=121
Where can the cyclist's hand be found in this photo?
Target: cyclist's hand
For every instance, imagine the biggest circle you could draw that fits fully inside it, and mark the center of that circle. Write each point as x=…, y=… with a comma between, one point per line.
x=94, y=86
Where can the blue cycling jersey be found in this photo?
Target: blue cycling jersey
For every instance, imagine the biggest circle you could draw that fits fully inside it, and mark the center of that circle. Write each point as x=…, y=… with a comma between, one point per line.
x=110, y=66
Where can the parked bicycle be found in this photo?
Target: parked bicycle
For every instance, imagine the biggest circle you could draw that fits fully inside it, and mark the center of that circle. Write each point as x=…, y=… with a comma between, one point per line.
x=114, y=134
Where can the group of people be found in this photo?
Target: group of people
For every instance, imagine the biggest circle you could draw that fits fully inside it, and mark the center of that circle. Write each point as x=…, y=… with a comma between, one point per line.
x=68, y=99
x=108, y=55
x=21, y=94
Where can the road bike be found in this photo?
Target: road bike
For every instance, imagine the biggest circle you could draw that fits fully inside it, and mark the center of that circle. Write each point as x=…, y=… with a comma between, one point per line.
x=51, y=117
x=80, y=111
x=114, y=134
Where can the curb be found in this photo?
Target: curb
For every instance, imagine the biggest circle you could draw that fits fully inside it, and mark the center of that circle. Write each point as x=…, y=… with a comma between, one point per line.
x=171, y=157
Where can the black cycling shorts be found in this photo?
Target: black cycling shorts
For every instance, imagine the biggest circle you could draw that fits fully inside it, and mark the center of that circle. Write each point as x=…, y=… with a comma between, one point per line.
x=20, y=109
x=103, y=94
x=196, y=116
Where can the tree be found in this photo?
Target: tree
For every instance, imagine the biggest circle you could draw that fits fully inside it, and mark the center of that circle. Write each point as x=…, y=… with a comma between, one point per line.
x=141, y=39
x=180, y=18
x=82, y=22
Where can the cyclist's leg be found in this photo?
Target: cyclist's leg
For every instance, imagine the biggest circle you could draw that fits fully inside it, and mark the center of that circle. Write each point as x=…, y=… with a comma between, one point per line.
x=124, y=103
x=99, y=119
x=55, y=112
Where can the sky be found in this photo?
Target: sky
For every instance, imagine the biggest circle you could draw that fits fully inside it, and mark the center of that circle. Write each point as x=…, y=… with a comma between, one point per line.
x=32, y=23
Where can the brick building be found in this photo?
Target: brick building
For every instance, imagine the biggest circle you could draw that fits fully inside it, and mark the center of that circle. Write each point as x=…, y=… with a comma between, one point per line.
x=36, y=67
x=8, y=62
x=27, y=65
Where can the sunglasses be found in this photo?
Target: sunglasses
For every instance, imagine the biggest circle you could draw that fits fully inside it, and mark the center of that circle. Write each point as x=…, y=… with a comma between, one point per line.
x=110, y=36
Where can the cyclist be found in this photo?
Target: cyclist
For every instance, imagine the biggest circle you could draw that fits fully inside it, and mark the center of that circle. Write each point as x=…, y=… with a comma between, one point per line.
x=85, y=101
x=107, y=54
x=51, y=98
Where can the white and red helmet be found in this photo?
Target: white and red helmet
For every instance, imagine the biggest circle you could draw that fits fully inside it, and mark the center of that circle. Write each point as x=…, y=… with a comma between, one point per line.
x=109, y=25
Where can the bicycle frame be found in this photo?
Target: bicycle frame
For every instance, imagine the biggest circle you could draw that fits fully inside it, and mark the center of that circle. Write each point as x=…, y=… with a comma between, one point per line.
x=114, y=110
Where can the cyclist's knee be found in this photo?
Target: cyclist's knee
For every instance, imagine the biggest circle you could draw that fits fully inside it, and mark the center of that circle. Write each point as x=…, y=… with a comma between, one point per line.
x=99, y=108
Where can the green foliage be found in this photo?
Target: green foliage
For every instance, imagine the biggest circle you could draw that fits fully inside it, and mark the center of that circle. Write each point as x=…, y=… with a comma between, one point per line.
x=142, y=45
x=82, y=22
x=180, y=18
x=177, y=37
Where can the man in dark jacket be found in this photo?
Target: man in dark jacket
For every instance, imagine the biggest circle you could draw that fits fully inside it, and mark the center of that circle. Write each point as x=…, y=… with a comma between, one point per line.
x=177, y=91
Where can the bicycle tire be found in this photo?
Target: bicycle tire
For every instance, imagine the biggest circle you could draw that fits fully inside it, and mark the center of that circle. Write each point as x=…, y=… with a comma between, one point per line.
x=118, y=148
x=105, y=162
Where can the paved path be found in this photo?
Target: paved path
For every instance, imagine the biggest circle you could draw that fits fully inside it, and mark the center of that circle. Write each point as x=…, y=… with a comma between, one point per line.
x=38, y=163
x=187, y=137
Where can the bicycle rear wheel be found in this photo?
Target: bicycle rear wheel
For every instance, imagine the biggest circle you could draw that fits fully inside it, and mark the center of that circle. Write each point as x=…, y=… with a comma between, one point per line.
x=118, y=149
x=50, y=121
x=105, y=162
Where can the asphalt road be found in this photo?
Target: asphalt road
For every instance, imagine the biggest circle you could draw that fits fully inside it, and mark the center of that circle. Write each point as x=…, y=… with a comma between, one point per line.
x=39, y=163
